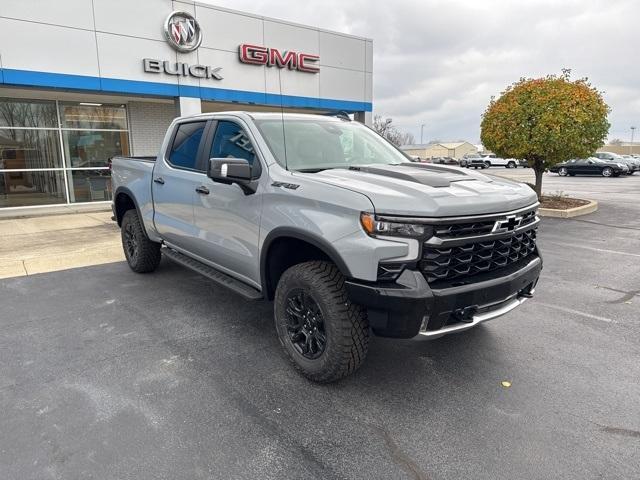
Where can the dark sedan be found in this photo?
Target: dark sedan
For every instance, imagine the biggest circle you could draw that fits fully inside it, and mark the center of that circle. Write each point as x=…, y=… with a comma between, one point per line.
x=588, y=166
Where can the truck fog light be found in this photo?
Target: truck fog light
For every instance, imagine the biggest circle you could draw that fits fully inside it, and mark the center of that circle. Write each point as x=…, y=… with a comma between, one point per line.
x=425, y=322
x=387, y=272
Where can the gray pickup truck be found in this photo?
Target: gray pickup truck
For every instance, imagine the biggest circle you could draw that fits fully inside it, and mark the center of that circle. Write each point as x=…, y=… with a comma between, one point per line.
x=333, y=224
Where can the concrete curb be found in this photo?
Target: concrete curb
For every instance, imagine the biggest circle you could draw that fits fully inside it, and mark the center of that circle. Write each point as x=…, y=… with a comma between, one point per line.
x=45, y=210
x=590, y=207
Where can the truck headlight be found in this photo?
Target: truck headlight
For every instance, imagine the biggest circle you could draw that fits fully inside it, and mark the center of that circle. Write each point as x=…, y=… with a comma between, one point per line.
x=375, y=227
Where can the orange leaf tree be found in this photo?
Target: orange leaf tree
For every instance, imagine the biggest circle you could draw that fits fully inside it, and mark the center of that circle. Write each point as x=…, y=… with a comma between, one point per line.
x=546, y=121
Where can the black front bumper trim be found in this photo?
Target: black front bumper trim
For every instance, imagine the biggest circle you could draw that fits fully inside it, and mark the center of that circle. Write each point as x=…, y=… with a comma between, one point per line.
x=400, y=309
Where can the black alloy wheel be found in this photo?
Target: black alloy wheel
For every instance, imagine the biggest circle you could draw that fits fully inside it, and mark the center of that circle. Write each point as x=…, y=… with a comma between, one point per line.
x=130, y=242
x=305, y=324
x=323, y=333
x=142, y=254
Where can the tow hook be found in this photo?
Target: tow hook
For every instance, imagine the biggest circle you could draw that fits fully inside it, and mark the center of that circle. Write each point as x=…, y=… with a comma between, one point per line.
x=465, y=314
x=528, y=293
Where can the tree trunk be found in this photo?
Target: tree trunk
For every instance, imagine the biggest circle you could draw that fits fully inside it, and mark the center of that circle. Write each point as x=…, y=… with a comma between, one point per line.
x=538, y=168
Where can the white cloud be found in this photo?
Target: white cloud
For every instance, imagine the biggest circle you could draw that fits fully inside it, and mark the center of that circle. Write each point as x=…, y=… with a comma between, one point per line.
x=438, y=62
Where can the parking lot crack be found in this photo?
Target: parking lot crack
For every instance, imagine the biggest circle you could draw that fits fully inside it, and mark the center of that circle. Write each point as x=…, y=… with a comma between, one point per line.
x=625, y=432
x=620, y=431
x=602, y=224
x=399, y=456
x=626, y=297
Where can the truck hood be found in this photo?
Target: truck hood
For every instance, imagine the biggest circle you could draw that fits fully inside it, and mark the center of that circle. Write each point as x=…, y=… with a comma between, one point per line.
x=415, y=189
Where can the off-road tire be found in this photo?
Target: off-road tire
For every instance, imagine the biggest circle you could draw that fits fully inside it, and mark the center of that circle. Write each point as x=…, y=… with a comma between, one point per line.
x=511, y=165
x=145, y=257
x=345, y=323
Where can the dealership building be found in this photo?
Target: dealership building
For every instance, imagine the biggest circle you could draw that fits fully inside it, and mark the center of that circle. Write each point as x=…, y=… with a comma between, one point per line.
x=84, y=80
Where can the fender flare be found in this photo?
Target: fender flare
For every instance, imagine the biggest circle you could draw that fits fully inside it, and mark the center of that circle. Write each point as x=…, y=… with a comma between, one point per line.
x=129, y=194
x=290, y=232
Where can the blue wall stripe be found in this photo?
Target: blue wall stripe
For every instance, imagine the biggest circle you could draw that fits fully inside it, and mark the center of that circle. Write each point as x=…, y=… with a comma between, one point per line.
x=45, y=79
x=113, y=85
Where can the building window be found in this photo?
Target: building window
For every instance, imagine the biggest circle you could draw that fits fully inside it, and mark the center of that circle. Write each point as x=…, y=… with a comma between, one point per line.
x=93, y=148
x=28, y=113
x=20, y=188
x=89, y=185
x=93, y=117
x=26, y=149
x=58, y=152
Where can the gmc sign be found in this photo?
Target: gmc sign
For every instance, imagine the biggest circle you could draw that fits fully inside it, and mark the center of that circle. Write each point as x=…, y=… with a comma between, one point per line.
x=272, y=57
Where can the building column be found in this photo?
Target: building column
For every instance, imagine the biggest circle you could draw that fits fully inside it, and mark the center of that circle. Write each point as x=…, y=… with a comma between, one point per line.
x=364, y=117
x=188, y=106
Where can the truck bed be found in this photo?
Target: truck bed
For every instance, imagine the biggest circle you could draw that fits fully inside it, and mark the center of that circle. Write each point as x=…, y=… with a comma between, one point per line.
x=135, y=174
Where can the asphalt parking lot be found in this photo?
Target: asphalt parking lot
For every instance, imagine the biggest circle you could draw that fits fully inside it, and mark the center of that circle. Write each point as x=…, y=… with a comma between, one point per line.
x=111, y=375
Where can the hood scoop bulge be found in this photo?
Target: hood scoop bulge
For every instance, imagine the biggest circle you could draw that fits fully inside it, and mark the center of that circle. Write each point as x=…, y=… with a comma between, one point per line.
x=430, y=176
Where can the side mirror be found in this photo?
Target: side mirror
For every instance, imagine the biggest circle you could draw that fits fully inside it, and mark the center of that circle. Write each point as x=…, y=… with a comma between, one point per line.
x=232, y=170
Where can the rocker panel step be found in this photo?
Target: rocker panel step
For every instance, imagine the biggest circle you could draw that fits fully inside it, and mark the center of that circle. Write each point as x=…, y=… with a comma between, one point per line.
x=211, y=273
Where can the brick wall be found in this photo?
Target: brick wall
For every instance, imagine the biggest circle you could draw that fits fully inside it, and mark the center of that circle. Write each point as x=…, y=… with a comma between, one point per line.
x=148, y=123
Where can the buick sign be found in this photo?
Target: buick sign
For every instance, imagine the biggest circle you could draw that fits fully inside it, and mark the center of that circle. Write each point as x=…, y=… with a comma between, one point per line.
x=154, y=65
x=182, y=31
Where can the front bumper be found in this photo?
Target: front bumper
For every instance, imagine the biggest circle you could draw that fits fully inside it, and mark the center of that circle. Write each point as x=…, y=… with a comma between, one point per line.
x=410, y=307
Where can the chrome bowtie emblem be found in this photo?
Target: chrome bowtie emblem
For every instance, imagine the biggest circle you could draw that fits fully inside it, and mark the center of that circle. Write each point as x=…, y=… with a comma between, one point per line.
x=509, y=224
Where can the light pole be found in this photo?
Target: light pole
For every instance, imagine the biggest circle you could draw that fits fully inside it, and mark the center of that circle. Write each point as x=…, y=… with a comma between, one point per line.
x=422, y=133
x=633, y=129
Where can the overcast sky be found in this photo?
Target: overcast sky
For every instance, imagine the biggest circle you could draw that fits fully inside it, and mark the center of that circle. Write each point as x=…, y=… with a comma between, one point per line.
x=438, y=62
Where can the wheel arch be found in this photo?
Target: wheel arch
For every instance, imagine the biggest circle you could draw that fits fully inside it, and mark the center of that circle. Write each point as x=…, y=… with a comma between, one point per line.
x=124, y=200
x=284, y=247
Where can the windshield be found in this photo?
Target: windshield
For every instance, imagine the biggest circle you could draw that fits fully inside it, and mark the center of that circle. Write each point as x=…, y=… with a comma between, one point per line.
x=318, y=144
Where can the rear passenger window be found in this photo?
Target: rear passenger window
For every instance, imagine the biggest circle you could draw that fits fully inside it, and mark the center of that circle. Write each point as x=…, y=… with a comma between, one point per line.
x=184, y=151
x=230, y=141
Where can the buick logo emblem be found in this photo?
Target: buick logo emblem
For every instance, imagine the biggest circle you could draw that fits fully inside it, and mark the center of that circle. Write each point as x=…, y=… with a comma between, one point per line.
x=182, y=31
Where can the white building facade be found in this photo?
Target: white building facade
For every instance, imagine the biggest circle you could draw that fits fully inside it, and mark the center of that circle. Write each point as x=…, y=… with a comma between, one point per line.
x=84, y=80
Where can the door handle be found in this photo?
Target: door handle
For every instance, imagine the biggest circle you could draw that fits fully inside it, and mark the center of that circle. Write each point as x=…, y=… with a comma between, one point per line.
x=203, y=190
x=159, y=180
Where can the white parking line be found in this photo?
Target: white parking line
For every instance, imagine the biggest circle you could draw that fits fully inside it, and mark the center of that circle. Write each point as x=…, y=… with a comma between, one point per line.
x=572, y=245
x=575, y=312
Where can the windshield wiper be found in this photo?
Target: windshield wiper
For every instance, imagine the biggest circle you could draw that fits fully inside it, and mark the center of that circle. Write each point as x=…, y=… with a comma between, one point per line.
x=320, y=169
x=312, y=170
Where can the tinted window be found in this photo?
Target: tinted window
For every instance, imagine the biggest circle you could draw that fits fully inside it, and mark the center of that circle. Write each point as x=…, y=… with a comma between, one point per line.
x=28, y=113
x=94, y=116
x=230, y=141
x=184, y=151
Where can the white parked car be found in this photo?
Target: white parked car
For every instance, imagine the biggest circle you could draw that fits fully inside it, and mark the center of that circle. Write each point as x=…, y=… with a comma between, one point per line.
x=492, y=160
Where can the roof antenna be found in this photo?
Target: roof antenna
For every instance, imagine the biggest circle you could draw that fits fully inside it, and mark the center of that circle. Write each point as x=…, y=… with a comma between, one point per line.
x=284, y=138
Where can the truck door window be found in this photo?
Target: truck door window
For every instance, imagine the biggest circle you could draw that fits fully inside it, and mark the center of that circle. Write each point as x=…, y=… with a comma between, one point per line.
x=184, y=151
x=230, y=141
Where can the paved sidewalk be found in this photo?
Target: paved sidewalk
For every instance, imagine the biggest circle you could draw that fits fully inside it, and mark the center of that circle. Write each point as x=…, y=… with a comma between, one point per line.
x=57, y=242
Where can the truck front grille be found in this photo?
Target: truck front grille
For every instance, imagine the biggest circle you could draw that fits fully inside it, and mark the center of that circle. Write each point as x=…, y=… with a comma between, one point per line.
x=465, y=249
x=480, y=227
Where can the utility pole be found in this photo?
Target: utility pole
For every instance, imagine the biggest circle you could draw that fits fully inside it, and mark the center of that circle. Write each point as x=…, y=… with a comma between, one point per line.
x=422, y=134
x=633, y=129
